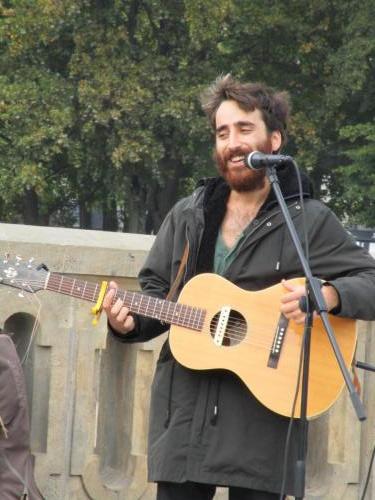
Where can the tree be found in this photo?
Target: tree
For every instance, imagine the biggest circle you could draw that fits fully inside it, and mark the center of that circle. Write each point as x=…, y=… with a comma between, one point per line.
x=112, y=125
x=99, y=99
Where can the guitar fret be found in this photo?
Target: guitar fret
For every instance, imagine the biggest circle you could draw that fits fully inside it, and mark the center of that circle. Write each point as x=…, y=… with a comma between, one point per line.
x=174, y=314
x=179, y=312
x=194, y=312
x=151, y=310
x=139, y=303
x=201, y=318
x=182, y=314
x=78, y=289
x=94, y=294
x=156, y=302
x=84, y=289
x=120, y=294
x=136, y=304
x=144, y=301
x=199, y=321
x=131, y=303
x=188, y=312
x=155, y=313
x=192, y=316
x=169, y=305
x=188, y=318
x=196, y=316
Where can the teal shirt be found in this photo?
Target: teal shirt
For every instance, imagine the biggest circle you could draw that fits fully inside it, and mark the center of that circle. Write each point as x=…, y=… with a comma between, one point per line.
x=224, y=256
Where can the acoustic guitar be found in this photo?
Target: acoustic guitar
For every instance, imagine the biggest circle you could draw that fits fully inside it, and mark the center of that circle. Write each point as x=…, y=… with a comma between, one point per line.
x=217, y=325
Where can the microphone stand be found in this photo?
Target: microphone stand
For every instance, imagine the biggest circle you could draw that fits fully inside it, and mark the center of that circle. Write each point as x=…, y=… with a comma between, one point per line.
x=365, y=366
x=315, y=302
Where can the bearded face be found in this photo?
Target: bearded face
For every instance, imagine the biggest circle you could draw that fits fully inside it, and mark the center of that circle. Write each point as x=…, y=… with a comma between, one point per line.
x=231, y=166
x=238, y=133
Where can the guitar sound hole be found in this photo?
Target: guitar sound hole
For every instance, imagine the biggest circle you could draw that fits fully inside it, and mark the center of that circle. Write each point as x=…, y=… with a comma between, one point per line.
x=235, y=330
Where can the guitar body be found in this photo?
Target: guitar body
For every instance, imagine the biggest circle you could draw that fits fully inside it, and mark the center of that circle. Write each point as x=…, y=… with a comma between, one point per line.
x=250, y=335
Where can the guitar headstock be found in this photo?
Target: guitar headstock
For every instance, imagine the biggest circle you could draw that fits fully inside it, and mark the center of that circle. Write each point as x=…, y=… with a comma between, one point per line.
x=21, y=274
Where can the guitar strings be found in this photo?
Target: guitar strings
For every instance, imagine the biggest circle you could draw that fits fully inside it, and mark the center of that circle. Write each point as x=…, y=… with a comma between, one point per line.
x=34, y=328
x=35, y=324
x=236, y=325
x=185, y=312
x=237, y=331
x=88, y=291
x=263, y=343
x=236, y=335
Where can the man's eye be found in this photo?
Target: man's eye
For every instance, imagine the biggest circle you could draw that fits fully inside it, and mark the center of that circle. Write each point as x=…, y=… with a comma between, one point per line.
x=222, y=135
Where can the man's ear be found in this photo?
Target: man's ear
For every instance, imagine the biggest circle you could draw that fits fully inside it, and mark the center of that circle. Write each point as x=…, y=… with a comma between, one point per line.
x=276, y=140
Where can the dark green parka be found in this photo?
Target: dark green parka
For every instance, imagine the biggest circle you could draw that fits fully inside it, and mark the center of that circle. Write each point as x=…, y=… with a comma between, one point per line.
x=206, y=426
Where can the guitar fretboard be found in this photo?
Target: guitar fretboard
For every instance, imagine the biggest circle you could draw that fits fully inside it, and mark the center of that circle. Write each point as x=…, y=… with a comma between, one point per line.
x=145, y=305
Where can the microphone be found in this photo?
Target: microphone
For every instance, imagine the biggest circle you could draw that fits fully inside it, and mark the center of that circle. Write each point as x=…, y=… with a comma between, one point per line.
x=257, y=160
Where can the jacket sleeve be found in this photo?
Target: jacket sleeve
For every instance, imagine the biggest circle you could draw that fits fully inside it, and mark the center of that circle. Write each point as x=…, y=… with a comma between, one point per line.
x=336, y=258
x=155, y=280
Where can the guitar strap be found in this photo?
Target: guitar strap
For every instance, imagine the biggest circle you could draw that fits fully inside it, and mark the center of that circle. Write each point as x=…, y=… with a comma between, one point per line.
x=3, y=429
x=179, y=274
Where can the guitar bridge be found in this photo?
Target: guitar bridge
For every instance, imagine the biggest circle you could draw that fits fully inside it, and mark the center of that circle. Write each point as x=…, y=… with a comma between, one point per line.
x=278, y=342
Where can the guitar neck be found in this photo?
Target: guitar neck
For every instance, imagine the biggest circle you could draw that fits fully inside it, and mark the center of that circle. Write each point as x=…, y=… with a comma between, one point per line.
x=145, y=305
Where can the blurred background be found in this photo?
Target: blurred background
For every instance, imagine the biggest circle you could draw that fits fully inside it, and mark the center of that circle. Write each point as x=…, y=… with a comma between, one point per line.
x=100, y=121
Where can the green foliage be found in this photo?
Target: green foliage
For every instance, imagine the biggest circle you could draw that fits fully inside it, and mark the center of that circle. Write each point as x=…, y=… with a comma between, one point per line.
x=99, y=100
x=358, y=175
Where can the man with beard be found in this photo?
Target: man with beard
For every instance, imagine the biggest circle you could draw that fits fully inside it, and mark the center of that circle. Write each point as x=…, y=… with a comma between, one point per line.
x=206, y=428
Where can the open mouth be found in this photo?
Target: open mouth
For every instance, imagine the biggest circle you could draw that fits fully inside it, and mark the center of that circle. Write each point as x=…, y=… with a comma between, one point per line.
x=238, y=161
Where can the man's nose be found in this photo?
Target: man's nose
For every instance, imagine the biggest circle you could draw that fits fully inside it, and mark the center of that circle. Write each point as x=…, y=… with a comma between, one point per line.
x=233, y=140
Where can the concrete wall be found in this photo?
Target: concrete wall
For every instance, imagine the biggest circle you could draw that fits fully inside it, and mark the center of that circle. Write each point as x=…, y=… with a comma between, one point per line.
x=89, y=395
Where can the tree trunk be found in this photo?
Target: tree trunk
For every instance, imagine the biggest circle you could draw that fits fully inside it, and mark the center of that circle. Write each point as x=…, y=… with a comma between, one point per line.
x=84, y=216
x=135, y=207
x=110, y=222
x=161, y=200
x=30, y=207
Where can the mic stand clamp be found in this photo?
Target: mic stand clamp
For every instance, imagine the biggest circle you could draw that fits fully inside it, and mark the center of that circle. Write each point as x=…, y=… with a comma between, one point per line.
x=365, y=366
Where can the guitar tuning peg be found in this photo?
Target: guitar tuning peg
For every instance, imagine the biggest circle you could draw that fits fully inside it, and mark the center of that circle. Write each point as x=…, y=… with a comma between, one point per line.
x=29, y=265
x=18, y=260
x=42, y=266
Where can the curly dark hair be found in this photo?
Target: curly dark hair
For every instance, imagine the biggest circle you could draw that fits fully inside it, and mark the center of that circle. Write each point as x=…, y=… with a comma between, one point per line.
x=274, y=105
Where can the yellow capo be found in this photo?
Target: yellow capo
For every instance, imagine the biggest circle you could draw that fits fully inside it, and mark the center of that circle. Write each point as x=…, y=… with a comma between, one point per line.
x=97, y=308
